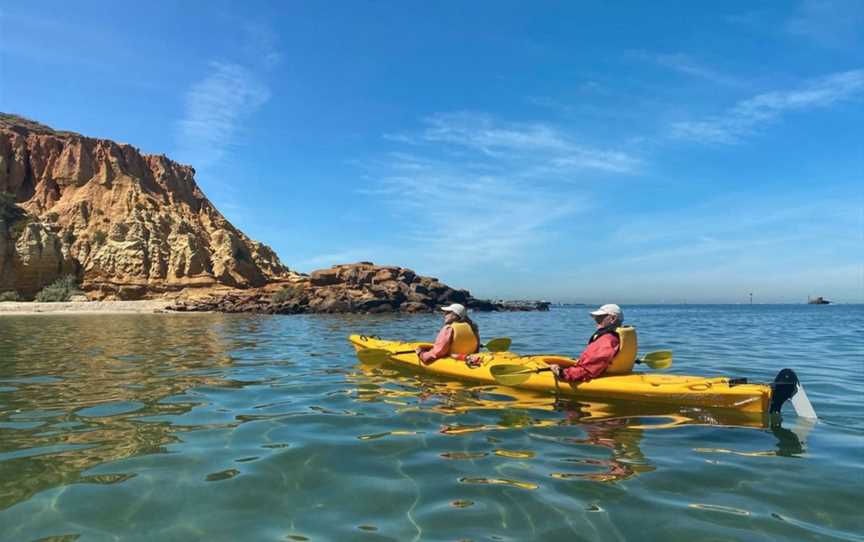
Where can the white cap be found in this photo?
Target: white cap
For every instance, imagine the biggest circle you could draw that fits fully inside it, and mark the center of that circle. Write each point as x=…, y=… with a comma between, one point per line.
x=611, y=308
x=457, y=309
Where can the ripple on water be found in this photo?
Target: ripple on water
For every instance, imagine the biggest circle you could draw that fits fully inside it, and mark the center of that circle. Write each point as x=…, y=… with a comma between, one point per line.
x=720, y=509
x=21, y=425
x=106, y=479
x=376, y=436
x=113, y=408
x=222, y=475
x=499, y=482
x=516, y=454
x=463, y=455
x=142, y=421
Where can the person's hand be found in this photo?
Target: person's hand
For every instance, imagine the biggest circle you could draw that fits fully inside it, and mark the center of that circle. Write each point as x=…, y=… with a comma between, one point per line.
x=419, y=350
x=556, y=370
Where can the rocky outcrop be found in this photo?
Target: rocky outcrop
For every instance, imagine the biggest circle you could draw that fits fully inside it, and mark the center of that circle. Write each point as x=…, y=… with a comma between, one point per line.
x=31, y=256
x=129, y=225
x=352, y=288
x=521, y=305
x=365, y=287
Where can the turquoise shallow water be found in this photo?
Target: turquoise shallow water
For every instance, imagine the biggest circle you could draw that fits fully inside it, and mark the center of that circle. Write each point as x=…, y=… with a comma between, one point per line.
x=221, y=427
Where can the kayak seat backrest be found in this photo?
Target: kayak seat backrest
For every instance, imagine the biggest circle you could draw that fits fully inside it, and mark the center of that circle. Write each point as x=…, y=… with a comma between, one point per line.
x=623, y=361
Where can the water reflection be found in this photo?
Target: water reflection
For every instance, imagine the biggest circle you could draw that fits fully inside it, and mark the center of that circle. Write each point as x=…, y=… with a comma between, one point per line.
x=614, y=428
x=790, y=442
x=158, y=421
x=80, y=393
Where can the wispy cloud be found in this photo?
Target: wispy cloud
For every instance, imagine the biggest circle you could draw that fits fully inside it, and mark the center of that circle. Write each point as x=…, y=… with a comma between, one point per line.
x=467, y=189
x=535, y=141
x=459, y=215
x=748, y=115
x=262, y=44
x=781, y=246
x=794, y=220
x=687, y=65
x=215, y=109
x=830, y=23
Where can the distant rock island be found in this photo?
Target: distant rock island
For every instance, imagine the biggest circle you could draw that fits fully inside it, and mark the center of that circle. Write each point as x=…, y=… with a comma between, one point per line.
x=128, y=225
x=361, y=287
x=818, y=301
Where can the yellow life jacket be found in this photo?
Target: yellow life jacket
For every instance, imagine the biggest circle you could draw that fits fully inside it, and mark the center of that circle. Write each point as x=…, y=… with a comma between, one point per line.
x=464, y=341
x=623, y=361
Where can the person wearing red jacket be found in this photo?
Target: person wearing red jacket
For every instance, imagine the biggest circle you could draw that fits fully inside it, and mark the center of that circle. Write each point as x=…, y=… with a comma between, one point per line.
x=601, y=350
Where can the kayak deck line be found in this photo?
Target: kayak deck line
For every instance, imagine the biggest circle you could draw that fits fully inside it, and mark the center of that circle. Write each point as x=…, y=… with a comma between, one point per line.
x=682, y=390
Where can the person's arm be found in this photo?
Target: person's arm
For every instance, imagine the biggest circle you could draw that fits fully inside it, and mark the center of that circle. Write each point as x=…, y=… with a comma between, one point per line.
x=441, y=348
x=594, y=360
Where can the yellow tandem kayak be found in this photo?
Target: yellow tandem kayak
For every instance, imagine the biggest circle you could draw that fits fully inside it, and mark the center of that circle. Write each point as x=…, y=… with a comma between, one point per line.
x=693, y=391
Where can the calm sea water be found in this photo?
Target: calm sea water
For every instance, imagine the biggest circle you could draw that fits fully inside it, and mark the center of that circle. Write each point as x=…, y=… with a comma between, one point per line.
x=221, y=427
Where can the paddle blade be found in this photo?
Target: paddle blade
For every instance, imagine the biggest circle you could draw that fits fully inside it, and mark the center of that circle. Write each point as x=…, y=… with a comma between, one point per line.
x=373, y=356
x=501, y=344
x=802, y=404
x=511, y=375
x=662, y=359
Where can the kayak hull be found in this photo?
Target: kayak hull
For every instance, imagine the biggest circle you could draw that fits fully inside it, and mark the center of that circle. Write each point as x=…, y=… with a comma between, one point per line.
x=655, y=388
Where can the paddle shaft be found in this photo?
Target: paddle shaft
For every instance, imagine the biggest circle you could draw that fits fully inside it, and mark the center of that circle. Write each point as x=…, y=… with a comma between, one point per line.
x=654, y=360
x=637, y=361
x=411, y=351
x=402, y=352
x=732, y=381
x=377, y=356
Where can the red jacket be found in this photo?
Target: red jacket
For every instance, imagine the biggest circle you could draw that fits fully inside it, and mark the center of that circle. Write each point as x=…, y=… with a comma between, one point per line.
x=594, y=360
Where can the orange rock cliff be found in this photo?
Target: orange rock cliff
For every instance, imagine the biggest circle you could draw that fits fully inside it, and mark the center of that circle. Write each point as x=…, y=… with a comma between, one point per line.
x=128, y=225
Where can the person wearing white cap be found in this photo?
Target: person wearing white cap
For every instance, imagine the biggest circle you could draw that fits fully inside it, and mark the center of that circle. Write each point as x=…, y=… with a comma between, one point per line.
x=601, y=350
x=458, y=338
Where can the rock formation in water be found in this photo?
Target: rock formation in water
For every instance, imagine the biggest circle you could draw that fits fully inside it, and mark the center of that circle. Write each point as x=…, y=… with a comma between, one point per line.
x=128, y=225
x=351, y=288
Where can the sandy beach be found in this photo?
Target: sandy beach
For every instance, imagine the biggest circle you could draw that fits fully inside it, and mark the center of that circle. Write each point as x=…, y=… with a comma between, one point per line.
x=12, y=308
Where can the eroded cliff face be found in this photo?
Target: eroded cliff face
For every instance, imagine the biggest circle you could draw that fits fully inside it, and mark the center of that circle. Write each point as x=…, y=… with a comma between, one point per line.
x=129, y=225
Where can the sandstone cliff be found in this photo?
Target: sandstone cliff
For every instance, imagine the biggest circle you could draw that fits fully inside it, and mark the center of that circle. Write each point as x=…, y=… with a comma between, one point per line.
x=129, y=225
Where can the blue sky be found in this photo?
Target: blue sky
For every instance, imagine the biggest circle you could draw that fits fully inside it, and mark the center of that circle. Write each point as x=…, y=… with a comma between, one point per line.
x=578, y=151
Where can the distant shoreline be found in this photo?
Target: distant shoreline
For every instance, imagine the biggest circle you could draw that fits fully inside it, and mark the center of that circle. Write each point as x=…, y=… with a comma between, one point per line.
x=17, y=308
x=160, y=306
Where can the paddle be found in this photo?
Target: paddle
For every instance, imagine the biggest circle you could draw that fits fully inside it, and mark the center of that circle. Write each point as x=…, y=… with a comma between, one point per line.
x=499, y=344
x=661, y=359
x=377, y=356
x=513, y=375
